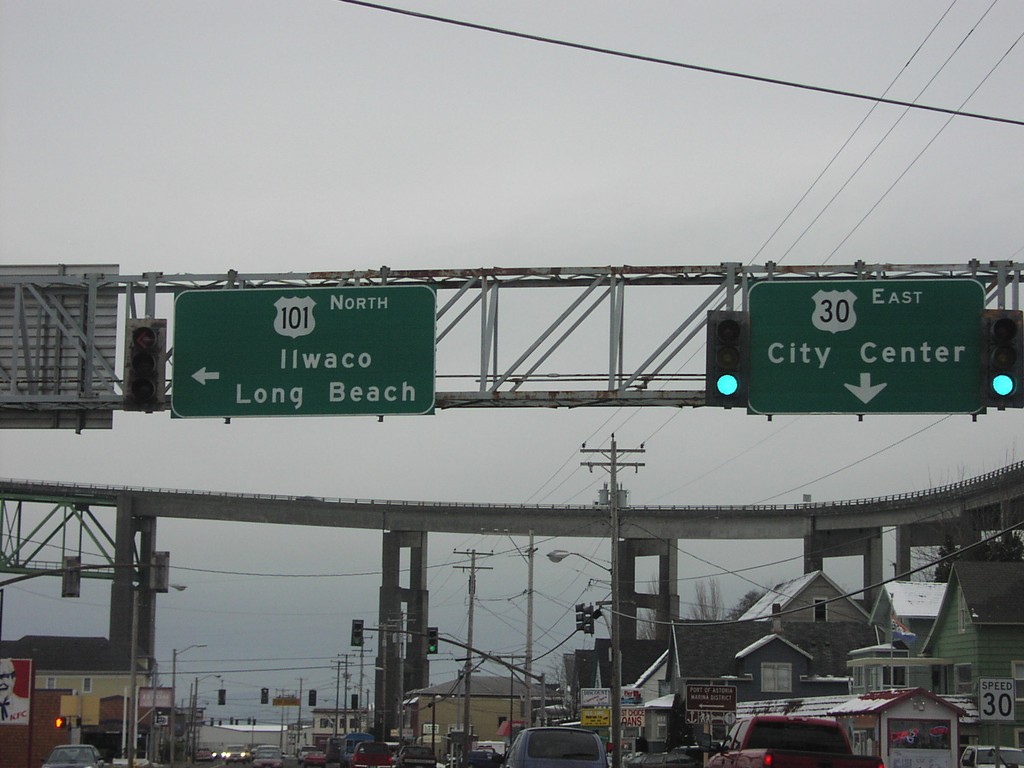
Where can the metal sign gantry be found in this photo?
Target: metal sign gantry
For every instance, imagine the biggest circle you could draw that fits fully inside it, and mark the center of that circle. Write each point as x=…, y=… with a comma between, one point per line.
x=583, y=344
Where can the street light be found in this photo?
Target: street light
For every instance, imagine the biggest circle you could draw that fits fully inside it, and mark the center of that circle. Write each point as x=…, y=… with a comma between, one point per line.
x=174, y=680
x=557, y=556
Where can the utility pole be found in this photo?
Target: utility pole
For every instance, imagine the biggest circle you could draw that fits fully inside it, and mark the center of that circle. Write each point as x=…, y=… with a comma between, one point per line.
x=467, y=736
x=337, y=689
x=528, y=663
x=612, y=465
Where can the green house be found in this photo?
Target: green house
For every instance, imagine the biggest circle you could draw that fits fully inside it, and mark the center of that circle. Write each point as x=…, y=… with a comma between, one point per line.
x=979, y=633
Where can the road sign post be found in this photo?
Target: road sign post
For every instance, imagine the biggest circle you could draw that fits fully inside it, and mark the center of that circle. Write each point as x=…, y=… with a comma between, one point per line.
x=304, y=352
x=865, y=346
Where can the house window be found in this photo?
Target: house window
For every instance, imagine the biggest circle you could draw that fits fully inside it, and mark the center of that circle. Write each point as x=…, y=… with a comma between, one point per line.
x=51, y=682
x=962, y=619
x=86, y=685
x=858, y=677
x=820, y=609
x=776, y=677
x=963, y=677
x=874, y=678
x=1018, y=679
x=660, y=726
x=894, y=677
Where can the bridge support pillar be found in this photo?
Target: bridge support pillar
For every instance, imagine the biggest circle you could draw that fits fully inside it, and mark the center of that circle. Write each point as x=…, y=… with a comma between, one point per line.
x=401, y=652
x=664, y=602
x=819, y=545
x=128, y=527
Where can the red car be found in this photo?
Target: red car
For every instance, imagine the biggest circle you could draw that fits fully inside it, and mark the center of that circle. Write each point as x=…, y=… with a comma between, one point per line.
x=314, y=757
x=371, y=754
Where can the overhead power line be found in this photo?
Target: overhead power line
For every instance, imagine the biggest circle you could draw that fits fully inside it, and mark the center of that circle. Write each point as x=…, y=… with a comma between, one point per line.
x=680, y=64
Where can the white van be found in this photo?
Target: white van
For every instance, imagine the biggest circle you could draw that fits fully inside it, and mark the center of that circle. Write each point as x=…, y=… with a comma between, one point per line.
x=985, y=755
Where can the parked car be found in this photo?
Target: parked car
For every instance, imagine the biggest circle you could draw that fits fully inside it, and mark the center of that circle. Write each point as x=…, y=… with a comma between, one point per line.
x=267, y=757
x=558, y=747
x=235, y=753
x=415, y=756
x=74, y=756
x=371, y=754
x=483, y=758
x=339, y=749
x=203, y=755
x=985, y=755
x=314, y=758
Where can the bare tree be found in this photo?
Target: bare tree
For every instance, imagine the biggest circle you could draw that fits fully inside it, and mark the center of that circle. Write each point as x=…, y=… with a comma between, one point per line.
x=708, y=602
x=744, y=604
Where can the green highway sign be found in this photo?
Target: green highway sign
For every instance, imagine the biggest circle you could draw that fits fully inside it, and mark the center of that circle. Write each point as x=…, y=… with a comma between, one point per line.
x=865, y=346
x=304, y=352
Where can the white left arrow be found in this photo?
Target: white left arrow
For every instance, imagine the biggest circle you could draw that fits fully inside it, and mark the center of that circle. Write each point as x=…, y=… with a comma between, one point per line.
x=864, y=391
x=203, y=375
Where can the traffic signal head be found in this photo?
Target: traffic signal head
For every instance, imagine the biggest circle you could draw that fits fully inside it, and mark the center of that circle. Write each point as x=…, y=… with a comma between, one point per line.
x=71, y=583
x=160, y=572
x=588, y=620
x=145, y=363
x=431, y=639
x=728, y=358
x=59, y=722
x=264, y=695
x=581, y=617
x=1002, y=361
x=312, y=697
x=222, y=696
x=357, y=632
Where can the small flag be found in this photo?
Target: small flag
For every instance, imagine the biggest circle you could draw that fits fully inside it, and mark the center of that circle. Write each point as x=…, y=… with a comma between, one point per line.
x=901, y=631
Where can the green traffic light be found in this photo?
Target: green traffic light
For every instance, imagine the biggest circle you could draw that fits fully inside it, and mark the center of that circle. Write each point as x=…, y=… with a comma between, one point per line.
x=727, y=384
x=1003, y=385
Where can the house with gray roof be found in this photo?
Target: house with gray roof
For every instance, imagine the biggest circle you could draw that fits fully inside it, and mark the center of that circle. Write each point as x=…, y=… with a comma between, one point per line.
x=810, y=597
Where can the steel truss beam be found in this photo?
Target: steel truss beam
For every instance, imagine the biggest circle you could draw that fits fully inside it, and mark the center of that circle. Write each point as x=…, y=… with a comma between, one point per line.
x=58, y=366
x=63, y=528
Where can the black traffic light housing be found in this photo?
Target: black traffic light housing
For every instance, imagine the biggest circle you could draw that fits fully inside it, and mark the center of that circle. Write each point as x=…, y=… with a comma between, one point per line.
x=1002, y=358
x=312, y=697
x=588, y=620
x=727, y=372
x=431, y=639
x=581, y=617
x=357, y=633
x=222, y=696
x=160, y=572
x=71, y=577
x=264, y=695
x=145, y=365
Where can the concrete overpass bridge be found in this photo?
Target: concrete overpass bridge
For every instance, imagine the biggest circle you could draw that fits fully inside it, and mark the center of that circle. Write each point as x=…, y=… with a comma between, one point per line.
x=828, y=529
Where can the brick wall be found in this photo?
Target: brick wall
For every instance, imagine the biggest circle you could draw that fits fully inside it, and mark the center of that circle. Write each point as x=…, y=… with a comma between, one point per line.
x=14, y=739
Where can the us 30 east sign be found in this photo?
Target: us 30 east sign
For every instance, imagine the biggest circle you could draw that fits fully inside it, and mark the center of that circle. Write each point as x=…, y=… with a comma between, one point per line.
x=865, y=346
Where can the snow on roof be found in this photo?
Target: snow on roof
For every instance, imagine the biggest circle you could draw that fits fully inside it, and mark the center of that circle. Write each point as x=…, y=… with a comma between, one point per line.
x=780, y=593
x=652, y=670
x=916, y=599
x=767, y=639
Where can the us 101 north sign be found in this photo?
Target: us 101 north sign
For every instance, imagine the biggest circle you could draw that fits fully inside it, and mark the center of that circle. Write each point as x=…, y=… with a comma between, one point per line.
x=304, y=352
x=865, y=346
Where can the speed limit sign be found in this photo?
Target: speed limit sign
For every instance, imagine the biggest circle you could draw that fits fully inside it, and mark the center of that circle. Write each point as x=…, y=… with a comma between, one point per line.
x=996, y=699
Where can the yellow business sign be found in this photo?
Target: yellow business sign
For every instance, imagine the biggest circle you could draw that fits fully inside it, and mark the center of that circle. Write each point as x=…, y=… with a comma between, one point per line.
x=595, y=717
x=286, y=701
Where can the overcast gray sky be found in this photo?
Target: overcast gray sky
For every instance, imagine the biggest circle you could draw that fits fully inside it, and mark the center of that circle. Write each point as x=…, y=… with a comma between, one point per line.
x=283, y=136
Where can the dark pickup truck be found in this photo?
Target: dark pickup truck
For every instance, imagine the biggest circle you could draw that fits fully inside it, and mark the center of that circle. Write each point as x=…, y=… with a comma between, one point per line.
x=778, y=741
